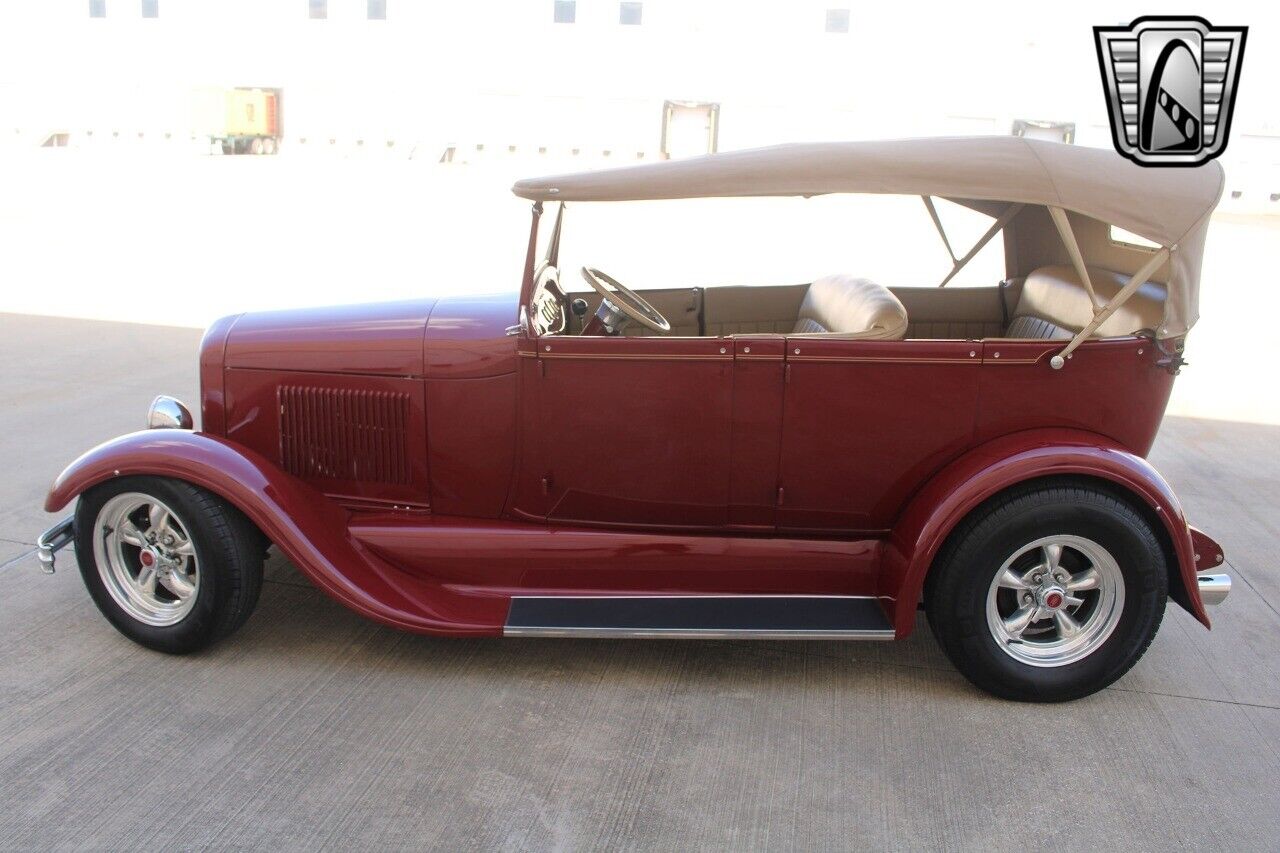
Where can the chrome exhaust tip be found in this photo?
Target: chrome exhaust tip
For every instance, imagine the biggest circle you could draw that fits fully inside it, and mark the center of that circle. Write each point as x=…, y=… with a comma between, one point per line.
x=1214, y=589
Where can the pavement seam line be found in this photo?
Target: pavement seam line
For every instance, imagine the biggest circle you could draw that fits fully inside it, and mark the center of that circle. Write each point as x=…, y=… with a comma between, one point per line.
x=1256, y=591
x=1195, y=698
x=293, y=584
x=17, y=559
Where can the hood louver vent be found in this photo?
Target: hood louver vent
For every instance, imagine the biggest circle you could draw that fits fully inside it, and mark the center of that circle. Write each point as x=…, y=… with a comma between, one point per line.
x=340, y=434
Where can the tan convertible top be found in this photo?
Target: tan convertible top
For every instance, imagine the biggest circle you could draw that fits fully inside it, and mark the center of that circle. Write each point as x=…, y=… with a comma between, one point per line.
x=1168, y=206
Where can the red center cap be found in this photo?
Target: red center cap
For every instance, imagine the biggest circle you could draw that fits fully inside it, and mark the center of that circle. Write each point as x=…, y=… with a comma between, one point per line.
x=148, y=559
x=1053, y=599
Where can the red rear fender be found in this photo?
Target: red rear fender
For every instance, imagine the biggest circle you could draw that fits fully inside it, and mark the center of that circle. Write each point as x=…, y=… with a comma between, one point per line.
x=1004, y=462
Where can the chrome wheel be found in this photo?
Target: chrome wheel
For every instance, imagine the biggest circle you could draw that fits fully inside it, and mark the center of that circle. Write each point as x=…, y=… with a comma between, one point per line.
x=1055, y=601
x=146, y=559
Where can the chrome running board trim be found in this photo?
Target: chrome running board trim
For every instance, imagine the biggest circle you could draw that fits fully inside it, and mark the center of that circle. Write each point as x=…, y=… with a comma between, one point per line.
x=695, y=634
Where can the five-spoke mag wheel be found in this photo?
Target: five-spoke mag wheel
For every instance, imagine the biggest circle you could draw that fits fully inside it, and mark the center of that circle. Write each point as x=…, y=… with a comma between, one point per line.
x=146, y=558
x=1049, y=591
x=172, y=566
x=1055, y=600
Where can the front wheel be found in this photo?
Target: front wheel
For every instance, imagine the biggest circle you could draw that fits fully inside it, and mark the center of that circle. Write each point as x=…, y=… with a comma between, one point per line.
x=1048, y=593
x=171, y=566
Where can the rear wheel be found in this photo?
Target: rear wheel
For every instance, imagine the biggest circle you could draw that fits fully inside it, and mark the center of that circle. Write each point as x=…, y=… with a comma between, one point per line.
x=1048, y=593
x=171, y=566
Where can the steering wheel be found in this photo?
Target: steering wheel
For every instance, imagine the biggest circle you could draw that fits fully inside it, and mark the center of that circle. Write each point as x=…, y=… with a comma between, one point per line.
x=625, y=301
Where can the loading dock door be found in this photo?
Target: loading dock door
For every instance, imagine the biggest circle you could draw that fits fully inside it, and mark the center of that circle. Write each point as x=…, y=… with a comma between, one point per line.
x=689, y=128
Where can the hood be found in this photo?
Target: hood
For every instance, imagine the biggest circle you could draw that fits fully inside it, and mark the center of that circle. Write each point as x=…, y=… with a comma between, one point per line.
x=453, y=337
x=384, y=339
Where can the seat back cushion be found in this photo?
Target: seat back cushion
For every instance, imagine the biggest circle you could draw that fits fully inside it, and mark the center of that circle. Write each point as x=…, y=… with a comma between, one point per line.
x=1055, y=305
x=851, y=307
x=741, y=309
x=954, y=313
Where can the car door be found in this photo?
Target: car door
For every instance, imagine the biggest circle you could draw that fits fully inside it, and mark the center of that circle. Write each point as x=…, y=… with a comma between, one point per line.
x=864, y=423
x=630, y=431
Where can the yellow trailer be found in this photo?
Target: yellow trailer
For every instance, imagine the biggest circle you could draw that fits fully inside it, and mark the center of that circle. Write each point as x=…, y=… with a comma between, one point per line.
x=241, y=120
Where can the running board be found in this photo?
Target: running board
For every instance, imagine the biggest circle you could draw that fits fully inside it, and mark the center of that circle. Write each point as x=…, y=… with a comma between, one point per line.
x=716, y=617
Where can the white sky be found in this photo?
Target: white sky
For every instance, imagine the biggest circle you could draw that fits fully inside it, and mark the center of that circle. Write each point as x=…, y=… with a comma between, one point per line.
x=501, y=70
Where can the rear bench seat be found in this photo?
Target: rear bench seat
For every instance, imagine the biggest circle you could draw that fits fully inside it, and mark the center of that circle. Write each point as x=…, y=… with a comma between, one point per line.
x=1055, y=306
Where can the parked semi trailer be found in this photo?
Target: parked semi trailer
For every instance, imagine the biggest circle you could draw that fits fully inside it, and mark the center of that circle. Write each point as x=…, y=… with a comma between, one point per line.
x=239, y=120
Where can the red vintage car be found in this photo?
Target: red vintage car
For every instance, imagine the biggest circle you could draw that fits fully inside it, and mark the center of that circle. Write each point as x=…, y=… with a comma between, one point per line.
x=807, y=461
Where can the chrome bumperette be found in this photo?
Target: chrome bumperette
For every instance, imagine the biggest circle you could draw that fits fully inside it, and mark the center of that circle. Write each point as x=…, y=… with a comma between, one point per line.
x=54, y=540
x=169, y=413
x=1214, y=589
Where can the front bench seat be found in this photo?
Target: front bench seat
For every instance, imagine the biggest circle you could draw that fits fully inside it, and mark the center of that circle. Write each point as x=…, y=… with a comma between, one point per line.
x=852, y=308
x=1054, y=305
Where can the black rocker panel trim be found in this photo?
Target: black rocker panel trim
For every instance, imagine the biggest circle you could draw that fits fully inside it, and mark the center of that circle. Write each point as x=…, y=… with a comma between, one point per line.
x=729, y=616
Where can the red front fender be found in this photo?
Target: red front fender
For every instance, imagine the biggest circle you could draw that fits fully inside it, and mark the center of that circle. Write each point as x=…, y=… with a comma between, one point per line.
x=978, y=475
x=309, y=528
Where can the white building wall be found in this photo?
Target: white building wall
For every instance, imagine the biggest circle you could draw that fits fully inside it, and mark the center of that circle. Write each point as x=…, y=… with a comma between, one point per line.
x=500, y=73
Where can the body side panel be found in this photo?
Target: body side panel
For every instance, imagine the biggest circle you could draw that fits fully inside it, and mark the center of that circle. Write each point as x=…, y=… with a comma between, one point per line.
x=471, y=402
x=471, y=444
x=865, y=423
x=1109, y=387
x=213, y=354
x=629, y=432
x=523, y=558
x=758, y=373
x=358, y=437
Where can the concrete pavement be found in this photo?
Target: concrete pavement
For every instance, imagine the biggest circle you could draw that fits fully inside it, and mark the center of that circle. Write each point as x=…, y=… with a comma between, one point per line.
x=315, y=728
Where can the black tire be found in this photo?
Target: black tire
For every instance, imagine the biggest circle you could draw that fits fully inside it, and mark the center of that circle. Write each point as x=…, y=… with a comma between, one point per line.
x=956, y=593
x=228, y=546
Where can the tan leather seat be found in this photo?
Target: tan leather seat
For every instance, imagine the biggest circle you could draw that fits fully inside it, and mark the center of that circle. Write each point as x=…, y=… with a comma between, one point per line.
x=1055, y=306
x=746, y=310
x=853, y=308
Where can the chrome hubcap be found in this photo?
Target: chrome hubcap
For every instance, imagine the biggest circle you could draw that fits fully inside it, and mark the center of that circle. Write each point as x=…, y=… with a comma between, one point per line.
x=146, y=559
x=1055, y=601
